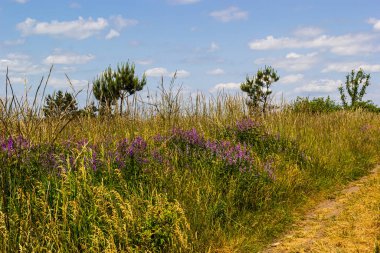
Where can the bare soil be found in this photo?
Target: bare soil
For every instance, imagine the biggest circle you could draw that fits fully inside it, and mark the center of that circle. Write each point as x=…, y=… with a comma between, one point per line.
x=347, y=222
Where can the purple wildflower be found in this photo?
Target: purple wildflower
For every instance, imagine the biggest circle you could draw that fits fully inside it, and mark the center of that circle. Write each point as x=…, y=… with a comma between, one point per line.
x=246, y=125
x=268, y=167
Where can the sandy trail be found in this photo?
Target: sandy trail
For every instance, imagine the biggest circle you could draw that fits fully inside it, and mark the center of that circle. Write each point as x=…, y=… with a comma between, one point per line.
x=350, y=222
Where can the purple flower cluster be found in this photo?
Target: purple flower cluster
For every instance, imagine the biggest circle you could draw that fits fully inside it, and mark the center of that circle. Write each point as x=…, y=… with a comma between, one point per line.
x=135, y=154
x=10, y=145
x=232, y=155
x=135, y=149
x=246, y=124
x=190, y=137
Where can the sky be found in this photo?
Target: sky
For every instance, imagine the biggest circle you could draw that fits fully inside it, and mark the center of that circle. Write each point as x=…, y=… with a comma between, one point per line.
x=211, y=44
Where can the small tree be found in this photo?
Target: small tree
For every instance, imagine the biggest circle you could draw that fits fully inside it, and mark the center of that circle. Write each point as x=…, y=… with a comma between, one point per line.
x=105, y=89
x=113, y=85
x=356, y=85
x=60, y=104
x=258, y=88
x=127, y=83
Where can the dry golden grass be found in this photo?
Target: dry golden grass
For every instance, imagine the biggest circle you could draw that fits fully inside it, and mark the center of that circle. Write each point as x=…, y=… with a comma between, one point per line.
x=350, y=222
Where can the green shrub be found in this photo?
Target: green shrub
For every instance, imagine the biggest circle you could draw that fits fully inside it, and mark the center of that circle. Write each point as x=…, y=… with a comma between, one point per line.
x=368, y=106
x=314, y=106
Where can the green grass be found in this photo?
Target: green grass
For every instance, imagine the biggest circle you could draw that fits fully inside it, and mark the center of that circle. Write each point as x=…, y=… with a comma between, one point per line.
x=173, y=193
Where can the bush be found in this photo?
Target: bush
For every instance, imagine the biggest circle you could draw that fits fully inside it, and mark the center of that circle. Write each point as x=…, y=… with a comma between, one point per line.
x=314, y=106
x=368, y=106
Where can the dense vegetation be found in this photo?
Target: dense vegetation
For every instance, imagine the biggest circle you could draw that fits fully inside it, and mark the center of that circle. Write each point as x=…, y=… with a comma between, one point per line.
x=196, y=176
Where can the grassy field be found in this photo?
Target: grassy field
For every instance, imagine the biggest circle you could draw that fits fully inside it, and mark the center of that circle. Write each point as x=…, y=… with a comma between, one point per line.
x=200, y=176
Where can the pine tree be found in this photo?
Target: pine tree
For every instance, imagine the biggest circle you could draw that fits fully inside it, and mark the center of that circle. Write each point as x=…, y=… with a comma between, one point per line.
x=60, y=104
x=258, y=88
x=111, y=86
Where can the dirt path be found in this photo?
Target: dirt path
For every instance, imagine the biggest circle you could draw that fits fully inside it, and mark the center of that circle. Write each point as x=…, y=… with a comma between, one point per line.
x=350, y=222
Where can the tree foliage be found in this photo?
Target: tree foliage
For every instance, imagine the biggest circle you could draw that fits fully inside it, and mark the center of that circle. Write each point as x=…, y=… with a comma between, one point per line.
x=314, y=106
x=127, y=83
x=112, y=85
x=105, y=89
x=355, y=86
x=258, y=88
x=60, y=104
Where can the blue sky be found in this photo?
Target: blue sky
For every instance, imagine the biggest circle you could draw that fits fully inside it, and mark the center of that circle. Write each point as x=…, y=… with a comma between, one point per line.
x=212, y=44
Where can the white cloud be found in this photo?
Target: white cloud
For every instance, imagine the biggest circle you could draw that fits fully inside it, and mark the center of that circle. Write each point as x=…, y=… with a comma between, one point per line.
x=213, y=47
x=225, y=86
x=159, y=72
x=292, y=61
x=229, y=14
x=119, y=22
x=180, y=73
x=375, y=23
x=21, y=1
x=291, y=78
x=184, y=1
x=68, y=59
x=308, y=31
x=112, y=34
x=349, y=44
x=293, y=56
x=156, y=72
x=144, y=62
x=19, y=63
x=320, y=86
x=348, y=66
x=18, y=80
x=64, y=83
x=216, y=72
x=77, y=29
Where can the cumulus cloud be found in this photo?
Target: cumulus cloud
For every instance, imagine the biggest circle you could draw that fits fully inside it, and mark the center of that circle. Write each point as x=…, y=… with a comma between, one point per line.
x=120, y=23
x=80, y=28
x=216, y=72
x=349, y=44
x=319, y=86
x=112, y=34
x=225, y=86
x=292, y=61
x=77, y=29
x=291, y=78
x=19, y=63
x=184, y=1
x=348, y=66
x=180, y=73
x=293, y=56
x=156, y=72
x=68, y=59
x=230, y=14
x=18, y=80
x=308, y=31
x=159, y=72
x=375, y=23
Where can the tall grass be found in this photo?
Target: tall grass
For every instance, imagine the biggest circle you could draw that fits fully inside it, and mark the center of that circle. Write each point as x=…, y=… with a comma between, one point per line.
x=175, y=174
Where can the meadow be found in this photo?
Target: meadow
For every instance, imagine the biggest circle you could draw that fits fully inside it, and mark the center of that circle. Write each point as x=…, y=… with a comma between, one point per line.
x=185, y=175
